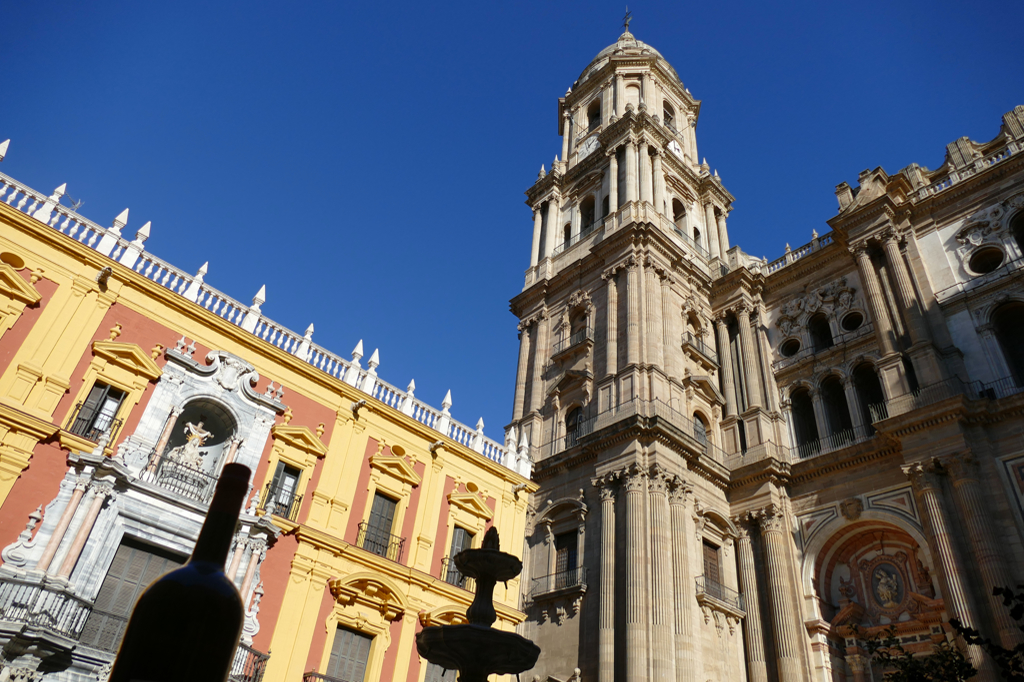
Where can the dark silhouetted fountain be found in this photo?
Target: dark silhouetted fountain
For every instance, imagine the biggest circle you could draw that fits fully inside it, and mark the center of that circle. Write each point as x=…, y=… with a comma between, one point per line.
x=476, y=649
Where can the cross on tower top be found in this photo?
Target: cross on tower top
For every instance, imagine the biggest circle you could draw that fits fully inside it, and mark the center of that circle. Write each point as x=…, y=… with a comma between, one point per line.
x=626, y=19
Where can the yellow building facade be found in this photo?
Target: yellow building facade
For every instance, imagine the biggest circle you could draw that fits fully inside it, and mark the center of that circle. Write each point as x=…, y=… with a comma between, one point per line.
x=126, y=384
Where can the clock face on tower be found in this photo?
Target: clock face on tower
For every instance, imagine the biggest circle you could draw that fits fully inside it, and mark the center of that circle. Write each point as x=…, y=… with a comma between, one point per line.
x=589, y=146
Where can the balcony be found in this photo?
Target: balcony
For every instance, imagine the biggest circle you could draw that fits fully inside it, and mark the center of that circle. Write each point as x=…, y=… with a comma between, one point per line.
x=835, y=441
x=697, y=344
x=578, y=338
x=585, y=231
x=380, y=543
x=725, y=599
x=43, y=608
x=560, y=583
x=688, y=240
x=92, y=429
x=182, y=480
x=249, y=665
x=319, y=677
x=451, y=575
x=278, y=502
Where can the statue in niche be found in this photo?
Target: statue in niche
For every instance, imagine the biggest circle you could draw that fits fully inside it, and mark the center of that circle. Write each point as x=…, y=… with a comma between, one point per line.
x=189, y=454
x=886, y=589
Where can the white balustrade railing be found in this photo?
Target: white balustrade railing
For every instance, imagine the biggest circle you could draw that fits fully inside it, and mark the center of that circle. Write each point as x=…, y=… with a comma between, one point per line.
x=133, y=255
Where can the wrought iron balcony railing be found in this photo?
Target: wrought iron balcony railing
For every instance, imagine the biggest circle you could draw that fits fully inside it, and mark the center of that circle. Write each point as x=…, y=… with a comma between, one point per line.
x=562, y=580
x=585, y=231
x=835, y=441
x=319, y=677
x=698, y=344
x=380, y=542
x=181, y=479
x=43, y=607
x=713, y=588
x=277, y=501
x=451, y=575
x=92, y=429
x=249, y=665
x=574, y=340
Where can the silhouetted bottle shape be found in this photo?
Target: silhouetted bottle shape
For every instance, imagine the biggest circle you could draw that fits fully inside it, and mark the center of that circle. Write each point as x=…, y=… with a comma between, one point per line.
x=186, y=625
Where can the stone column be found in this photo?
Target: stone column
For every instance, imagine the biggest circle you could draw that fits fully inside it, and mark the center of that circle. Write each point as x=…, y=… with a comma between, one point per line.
x=636, y=577
x=723, y=234
x=711, y=230
x=161, y=443
x=879, y=312
x=662, y=593
x=236, y=443
x=820, y=420
x=756, y=663
x=784, y=631
x=686, y=660
x=611, y=358
x=963, y=469
x=631, y=171
x=658, y=182
x=725, y=357
x=62, y=527
x=632, y=313
x=691, y=133
x=257, y=547
x=853, y=402
x=236, y=557
x=613, y=181
x=539, y=356
x=771, y=390
x=670, y=335
x=653, y=334
x=551, y=234
x=646, y=191
x=566, y=133
x=538, y=222
x=620, y=97
x=100, y=493
x=606, y=633
x=857, y=666
x=926, y=484
x=522, y=369
x=750, y=363
x=905, y=289
x=993, y=351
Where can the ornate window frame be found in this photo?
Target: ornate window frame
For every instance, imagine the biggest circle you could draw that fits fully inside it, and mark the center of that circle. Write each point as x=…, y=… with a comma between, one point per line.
x=393, y=476
x=298, y=447
x=386, y=605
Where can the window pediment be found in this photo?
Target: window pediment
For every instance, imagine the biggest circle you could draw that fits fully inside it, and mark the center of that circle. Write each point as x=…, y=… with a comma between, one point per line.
x=371, y=592
x=396, y=467
x=301, y=438
x=128, y=356
x=14, y=286
x=471, y=503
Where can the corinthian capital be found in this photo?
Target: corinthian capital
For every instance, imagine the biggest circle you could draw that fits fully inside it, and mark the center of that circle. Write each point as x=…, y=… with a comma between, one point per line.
x=679, y=491
x=771, y=519
x=962, y=466
x=923, y=475
x=634, y=479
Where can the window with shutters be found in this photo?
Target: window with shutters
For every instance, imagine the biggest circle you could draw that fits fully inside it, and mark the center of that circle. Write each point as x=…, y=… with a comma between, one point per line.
x=97, y=414
x=349, y=654
x=281, y=496
x=461, y=539
x=134, y=567
x=565, y=559
x=436, y=673
x=375, y=532
x=712, y=569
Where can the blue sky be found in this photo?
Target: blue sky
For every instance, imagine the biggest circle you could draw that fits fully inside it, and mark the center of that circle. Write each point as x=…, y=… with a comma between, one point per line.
x=367, y=162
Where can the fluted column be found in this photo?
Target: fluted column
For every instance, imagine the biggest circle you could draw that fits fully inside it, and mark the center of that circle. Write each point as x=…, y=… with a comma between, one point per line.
x=725, y=357
x=62, y=526
x=161, y=443
x=963, y=470
x=723, y=233
x=658, y=182
x=539, y=356
x=636, y=577
x=257, y=548
x=686, y=660
x=662, y=593
x=236, y=557
x=646, y=192
x=711, y=228
x=925, y=482
x=613, y=181
x=611, y=345
x=756, y=664
x=785, y=634
x=632, y=313
x=670, y=335
x=905, y=289
x=857, y=667
x=820, y=420
x=750, y=364
x=631, y=171
x=522, y=369
x=538, y=222
x=691, y=132
x=100, y=493
x=551, y=234
x=620, y=96
x=771, y=390
x=853, y=402
x=606, y=631
x=879, y=312
x=653, y=336
x=566, y=132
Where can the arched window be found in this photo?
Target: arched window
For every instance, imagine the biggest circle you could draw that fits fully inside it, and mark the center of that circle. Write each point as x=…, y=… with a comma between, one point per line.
x=869, y=394
x=837, y=411
x=566, y=235
x=1008, y=320
x=1017, y=229
x=668, y=115
x=587, y=214
x=594, y=115
x=573, y=421
x=700, y=428
x=805, y=429
x=821, y=333
x=679, y=215
x=633, y=95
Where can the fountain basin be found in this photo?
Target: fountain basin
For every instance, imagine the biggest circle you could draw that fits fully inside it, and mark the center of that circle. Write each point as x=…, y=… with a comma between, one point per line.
x=488, y=563
x=477, y=650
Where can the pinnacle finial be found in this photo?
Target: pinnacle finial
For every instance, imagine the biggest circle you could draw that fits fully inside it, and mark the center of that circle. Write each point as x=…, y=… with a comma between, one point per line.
x=3, y=148
x=626, y=19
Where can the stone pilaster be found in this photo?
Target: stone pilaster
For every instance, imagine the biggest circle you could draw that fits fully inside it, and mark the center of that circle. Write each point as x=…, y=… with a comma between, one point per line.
x=714, y=245
x=551, y=234
x=653, y=334
x=879, y=312
x=631, y=171
x=905, y=294
x=611, y=347
x=750, y=364
x=646, y=195
x=857, y=415
x=756, y=664
x=784, y=629
x=537, y=380
x=613, y=181
x=662, y=592
x=538, y=221
x=522, y=369
x=62, y=526
x=670, y=333
x=632, y=312
x=635, y=482
x=725, y=357
x=659, y=183
x=687, y=663
x=606, y=633
x=101, y=491
x=723, y=233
